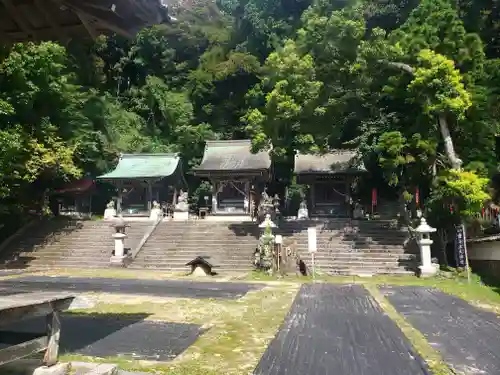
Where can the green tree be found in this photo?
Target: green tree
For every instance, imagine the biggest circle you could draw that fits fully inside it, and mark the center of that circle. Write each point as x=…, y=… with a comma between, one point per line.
x=288, y=93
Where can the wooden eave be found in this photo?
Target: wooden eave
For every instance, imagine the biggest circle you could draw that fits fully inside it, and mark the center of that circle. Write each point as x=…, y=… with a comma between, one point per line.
x=63, y=20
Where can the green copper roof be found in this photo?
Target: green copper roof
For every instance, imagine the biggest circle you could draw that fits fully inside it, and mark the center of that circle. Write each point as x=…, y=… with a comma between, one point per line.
x=143, y=166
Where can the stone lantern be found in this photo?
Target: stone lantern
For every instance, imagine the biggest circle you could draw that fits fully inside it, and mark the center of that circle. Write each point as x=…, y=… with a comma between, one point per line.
x=427, y=268
x=119, y=256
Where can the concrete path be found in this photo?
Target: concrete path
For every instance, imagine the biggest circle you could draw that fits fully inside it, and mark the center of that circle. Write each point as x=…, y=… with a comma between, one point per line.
x=339, y=330
x=467, y=337
x=159, y=288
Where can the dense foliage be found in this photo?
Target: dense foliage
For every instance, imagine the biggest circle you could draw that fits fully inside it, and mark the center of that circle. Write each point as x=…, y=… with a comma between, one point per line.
x=414, y=85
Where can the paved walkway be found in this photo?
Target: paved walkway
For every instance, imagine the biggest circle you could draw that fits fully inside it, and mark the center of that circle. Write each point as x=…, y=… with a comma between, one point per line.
x=339, y=330
x=159, y=288
x=467, y=337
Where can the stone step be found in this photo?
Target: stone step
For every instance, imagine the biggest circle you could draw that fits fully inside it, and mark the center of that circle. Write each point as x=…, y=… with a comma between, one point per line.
x=187, y=269
x=374, y=269
x=162, y=264
x=364, y=257
x=204, y=241
x=362, y=264
x=388, y=240
x=206, y=253
x=357, y=272
x=62, y=264
x=68, y=256
x=191, y=252
x=184, y=259
x=352, y=249
x=341, y=255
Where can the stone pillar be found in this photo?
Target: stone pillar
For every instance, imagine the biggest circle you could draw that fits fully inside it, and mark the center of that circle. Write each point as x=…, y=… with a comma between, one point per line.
x=426, y=268
x=156, y=213
x=119, y=197
x=109, y=213
x=215, y=194
x=247, y=196
x=312, y=192
x=348, y=198
x=149, y=195
x=118, y=258
x=174, y=198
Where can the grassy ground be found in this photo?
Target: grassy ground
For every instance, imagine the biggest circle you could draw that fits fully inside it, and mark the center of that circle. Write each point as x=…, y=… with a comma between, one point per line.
x=123, y=273
x=239, y=331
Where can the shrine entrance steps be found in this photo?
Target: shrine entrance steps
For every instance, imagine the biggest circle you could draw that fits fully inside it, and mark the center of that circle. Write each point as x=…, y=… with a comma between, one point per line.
x=64, y=242
x=354, y=247
x=228, y=245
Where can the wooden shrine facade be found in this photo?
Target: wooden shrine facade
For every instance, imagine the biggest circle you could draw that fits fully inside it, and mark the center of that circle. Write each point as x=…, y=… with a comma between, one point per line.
x=329, y=177
x=141, y=179
x=236, y=175
x=63, y=20
x=74, y=198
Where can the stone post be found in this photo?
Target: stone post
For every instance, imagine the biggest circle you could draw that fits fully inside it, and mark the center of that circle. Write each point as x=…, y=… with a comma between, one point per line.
x=215, y=194
x=110, y=212
x=156, y=212
x=119, y=245
x=426, y=268
x=119, y=256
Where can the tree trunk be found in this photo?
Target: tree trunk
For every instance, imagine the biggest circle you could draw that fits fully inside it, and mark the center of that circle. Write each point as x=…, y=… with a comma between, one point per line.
x=456, y=163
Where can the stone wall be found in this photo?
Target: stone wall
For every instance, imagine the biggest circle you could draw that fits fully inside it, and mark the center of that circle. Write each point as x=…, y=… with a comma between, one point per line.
x=484, y=256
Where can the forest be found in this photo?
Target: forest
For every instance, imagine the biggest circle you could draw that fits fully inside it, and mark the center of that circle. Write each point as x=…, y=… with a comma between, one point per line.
x=412, y=85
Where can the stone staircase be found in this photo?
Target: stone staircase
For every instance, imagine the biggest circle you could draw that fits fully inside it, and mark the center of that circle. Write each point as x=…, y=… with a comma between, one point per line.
x=354, y=247
x=64, y=242
x=229, y=247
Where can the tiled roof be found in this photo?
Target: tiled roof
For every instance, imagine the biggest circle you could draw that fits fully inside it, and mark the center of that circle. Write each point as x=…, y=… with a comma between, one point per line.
x=336, y=161
x=144, y=166
x=233, y=156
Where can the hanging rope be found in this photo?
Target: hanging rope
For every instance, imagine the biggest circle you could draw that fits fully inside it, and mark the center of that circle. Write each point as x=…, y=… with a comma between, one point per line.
x=240, y=191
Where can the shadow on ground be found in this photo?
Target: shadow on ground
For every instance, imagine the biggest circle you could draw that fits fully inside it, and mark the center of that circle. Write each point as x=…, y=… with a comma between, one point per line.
x=111, y=335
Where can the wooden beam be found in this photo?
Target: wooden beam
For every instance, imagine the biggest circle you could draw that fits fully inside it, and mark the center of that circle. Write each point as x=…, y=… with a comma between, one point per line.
x=13, y=12
x=114, y=28
x=142, y=12
x=48, y=33
x=41, y=6
x=53, y=334
x=103, y=23
x=88, y=25
x=87, y=17
x=23, y=350
x=24, y=306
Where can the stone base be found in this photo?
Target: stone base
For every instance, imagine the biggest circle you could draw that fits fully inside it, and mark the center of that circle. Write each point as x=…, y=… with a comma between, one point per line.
x=303, y=214
x=181, y=215
x=428, y=271
x=87, y=368
x=58, y=369
x=156, y=214
x=109, y=213
x=118, y=261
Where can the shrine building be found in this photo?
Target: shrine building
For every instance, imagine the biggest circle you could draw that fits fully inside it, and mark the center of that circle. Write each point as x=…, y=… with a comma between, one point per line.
x=330, y=177
x=235, y=174
x=141, y=179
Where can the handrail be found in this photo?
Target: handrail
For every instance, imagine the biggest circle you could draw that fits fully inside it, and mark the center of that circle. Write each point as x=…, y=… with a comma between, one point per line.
x=145, y=238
